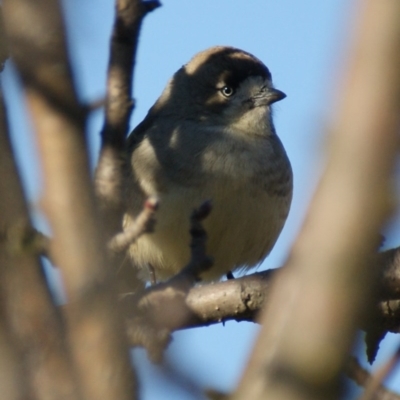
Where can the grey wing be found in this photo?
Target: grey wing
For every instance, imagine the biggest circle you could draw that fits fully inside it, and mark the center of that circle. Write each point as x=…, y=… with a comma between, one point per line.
x=137, y=135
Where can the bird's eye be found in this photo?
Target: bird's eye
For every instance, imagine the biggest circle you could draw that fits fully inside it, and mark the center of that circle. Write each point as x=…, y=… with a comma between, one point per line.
x=227, y=91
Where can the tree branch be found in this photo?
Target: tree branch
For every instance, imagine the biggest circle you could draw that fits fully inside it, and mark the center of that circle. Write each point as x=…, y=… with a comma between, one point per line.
x=35, y=362
x=124, y=43
x=98, y=344
x=363, y=378
x=110, y=171
x=241, y=299
x=319, y=298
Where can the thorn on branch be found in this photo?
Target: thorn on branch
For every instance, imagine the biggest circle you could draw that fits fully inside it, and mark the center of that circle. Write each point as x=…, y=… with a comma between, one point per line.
x=151, y=5
x=373, y=338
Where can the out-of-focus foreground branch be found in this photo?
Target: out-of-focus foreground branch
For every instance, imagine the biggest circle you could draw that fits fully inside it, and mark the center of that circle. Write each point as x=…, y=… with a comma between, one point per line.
x=94, y=324
x=319, y=298
x=34, y=360
x=363, y=378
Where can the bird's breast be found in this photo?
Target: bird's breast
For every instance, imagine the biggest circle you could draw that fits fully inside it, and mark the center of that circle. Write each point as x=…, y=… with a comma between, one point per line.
x=248, y=181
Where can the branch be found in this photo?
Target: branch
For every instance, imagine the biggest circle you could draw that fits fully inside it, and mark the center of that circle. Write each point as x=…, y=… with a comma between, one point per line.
x=35, y=362
x=4, y=52
x=363, y=378
x=110, y=171
x=112, y=166
x=98, y=346
x=388, y=267
x=375, y=383
x=13, y=381
x=320, y=297
x=241, y=299
x=124, y=43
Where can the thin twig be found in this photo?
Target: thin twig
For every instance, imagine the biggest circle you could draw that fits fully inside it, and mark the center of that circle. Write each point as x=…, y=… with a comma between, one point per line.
x=363, y=378
x=144, y=223
x=375, y=383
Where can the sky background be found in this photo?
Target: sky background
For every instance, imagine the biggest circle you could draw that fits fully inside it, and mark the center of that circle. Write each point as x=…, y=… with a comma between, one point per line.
x=304, y=44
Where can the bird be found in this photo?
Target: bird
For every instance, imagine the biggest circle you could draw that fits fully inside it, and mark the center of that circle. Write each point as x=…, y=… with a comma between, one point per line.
x=210, y=136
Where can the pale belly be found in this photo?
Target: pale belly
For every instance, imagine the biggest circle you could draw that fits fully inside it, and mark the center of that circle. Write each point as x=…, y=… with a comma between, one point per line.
x=242, y=229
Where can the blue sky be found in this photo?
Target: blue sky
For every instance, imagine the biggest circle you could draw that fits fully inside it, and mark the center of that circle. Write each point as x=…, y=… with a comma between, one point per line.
x=304, y=44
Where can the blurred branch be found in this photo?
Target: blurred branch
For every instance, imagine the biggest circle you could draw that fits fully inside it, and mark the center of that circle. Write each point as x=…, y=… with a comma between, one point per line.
x=317, y=301
x=3, y=43
x=13, y=382
x=98, y=345
x=374, y=384
x=33, y=349
x=23, y=237
x=363, y=378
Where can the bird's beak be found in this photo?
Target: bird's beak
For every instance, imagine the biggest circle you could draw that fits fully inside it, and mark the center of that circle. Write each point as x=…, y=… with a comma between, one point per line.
x=268, y=97
x=274, y=95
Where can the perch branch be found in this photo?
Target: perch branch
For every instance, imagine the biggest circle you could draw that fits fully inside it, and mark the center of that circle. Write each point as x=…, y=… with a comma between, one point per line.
x=241, y=299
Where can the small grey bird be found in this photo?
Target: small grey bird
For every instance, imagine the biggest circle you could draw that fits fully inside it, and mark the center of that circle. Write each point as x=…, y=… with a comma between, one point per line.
x=210, y=135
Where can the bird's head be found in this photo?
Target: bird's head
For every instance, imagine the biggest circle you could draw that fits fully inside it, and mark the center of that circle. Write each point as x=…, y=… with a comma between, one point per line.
x=222, y=86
